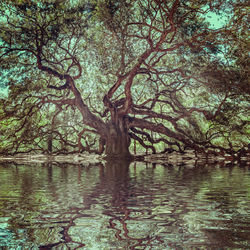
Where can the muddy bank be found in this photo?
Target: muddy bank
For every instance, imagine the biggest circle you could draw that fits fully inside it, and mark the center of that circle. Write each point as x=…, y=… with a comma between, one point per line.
x=189, y=158
x=40, y=158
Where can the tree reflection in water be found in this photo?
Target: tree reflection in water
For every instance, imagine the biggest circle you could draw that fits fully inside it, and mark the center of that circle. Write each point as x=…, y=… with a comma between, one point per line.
x=123, y=206
x=125, y=225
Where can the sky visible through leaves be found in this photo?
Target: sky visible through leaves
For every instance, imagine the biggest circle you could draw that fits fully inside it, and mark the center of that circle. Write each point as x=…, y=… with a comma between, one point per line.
x=216, y=21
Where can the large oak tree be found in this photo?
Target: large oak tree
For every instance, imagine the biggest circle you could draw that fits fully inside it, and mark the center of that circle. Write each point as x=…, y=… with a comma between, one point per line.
x=97, y=75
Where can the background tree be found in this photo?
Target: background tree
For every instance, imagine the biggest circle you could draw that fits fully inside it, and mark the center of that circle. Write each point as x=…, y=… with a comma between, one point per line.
x=97, y=75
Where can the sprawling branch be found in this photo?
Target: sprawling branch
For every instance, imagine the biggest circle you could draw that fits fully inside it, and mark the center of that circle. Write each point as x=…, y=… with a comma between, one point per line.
x=154, y=72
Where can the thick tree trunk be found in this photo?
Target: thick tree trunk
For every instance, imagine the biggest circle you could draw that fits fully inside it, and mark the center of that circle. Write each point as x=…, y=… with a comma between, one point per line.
x=117, y=141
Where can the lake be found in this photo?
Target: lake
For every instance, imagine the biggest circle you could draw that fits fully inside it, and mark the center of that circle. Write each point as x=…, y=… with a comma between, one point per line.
x=124, y=206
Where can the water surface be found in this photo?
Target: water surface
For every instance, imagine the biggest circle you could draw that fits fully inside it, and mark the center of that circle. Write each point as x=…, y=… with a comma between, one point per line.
x=122, y=206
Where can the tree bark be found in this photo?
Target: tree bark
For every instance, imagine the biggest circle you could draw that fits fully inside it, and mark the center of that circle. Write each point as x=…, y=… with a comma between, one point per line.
x=50, y=143
x=117, y=140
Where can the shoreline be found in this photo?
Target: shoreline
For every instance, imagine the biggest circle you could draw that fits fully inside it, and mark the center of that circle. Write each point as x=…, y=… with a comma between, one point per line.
x=188, y=157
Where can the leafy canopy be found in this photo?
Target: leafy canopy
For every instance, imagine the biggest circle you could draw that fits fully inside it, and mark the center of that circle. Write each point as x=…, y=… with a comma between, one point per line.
x=151, y=72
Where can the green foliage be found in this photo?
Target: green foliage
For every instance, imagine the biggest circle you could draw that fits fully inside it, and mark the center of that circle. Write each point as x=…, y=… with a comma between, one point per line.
x=185, y=76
